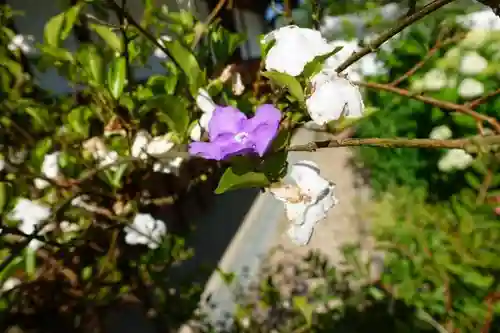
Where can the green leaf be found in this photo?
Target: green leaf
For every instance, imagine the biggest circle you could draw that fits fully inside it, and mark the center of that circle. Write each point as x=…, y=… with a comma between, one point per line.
x=57, y=53
x=40, y=116
x=275, y=166
x=287, y=81
x=78, y=119
x=162, y=84
x=117, y=75
x=473, y=180
x=172, y=110
x=30, y=262
x=314, y=66
x=59, y=27
x=187, y=63
x=232, y=180
x=464, y=120
x=91, y=61
x=108, y=36
x=5, y=194
x=301, y=303
x=42, y=148
x=117, y=177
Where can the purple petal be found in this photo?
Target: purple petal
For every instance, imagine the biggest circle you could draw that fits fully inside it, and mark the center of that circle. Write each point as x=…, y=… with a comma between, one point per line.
x=225, y=120
x=207, y=150
x=263, y=127
x=221, y=148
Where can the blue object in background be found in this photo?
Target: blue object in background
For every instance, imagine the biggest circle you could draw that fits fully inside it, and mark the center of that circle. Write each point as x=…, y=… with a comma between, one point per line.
x=277, y=8
x=274, y=10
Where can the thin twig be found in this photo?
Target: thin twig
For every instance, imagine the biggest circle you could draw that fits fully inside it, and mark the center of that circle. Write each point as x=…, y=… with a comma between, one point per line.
x=143, y=31
x=469, y=144
x=483, y=99
x=436, y=102
x=207, y=22
x=374, y=45
x=22, y=245
x=428, y=56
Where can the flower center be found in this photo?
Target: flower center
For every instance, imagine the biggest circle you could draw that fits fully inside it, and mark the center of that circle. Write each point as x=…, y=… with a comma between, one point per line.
x=241, y=137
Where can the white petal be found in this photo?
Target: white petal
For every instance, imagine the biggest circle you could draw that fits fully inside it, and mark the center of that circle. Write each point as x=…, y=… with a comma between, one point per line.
x=294, y=48
x=41, y=183
x=442, y=132
x=301, y=234
x=204, y=101
x=10, y=283
x=238, y=86
x=295, y=212
x=160, y=145
x=140, y=143
x=286, y=193
x=176, y=162
x=435, y=79
x=205, y=120
x=472, y=64
x=307, y=176
x=195, y=133
x=470, y=88
x=332, y=97
x=50, y=165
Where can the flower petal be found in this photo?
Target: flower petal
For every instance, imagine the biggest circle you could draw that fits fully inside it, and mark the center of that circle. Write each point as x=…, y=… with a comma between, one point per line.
x=263, y=127
x=301, y=234
x=294, y=48
x=225, y=146
x=225, y=120
x=207, y=150
x=204, y=101
x=306, y=175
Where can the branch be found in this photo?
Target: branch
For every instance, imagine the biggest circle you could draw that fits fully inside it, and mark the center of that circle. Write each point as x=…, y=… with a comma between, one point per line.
x=143, y=31
x=439, y=44
x=372, y=46
x=483, y=99
x=465, y=109
x=472, y=145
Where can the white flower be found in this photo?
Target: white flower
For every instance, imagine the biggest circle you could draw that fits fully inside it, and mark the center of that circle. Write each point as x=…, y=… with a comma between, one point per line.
x=472, y=63
x=10, y=283
x=238, y=86
x=100, y=152
x=307, y=201
x=160, y=144
x=475, y=38
x=172, y=166
x=159, y=52
x=333, y=96
x=485, y=19
x=145, y=230
x=50, y=169
x=206, y=104
x=68, y=227
x=195, y=133
x=30, y=214
x=442, y=132
x=140, y=144
x=470, y=88
x=455, y=159
x=109, y=158
x=25, y=43
x=434, y=80
x=144, y=144
x=294, y=48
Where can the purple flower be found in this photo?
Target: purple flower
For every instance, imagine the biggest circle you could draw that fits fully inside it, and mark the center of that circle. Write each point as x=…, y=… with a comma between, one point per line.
x=232, y=133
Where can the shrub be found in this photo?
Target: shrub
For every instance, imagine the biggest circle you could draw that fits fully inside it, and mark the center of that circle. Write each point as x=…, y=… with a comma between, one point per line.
x=440, y=77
